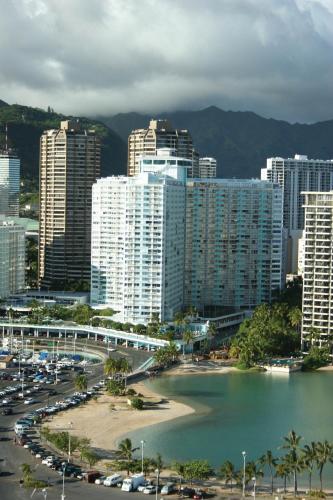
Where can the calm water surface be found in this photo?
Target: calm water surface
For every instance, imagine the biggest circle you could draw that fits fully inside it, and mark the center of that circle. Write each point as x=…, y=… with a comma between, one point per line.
x=241, y=411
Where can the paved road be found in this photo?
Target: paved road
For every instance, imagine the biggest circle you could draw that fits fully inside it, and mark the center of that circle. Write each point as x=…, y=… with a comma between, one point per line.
x=11, y=456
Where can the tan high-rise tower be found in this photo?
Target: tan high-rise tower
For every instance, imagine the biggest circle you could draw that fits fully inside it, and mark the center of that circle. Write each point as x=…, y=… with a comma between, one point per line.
x=69, y=165
x=158, y=135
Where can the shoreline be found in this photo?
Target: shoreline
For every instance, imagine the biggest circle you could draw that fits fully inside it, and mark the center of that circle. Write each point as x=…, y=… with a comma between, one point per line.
x=109, y=419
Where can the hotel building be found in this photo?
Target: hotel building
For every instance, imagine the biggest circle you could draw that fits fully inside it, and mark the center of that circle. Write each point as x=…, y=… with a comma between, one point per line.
x=159, y=135
x=138, y=235
x=317, y=305
x=161, y=242
x=296, y=175
x=12, y=258
x=9, y=183
x=69, y=165
x=207, y=168
x=234, y=242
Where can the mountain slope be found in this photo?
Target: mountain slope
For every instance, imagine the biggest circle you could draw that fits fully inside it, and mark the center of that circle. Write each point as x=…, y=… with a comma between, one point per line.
x=241, y=141
x=25, y=126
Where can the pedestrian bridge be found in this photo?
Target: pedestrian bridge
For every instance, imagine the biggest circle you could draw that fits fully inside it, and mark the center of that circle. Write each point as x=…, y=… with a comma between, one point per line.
x=110, y=336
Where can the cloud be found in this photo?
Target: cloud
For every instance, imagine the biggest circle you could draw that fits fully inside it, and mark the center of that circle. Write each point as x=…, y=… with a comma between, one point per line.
x=107, y=56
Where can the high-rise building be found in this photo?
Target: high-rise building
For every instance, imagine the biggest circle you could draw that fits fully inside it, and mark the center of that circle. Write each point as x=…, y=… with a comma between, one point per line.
x=69, y=165
x=159, y=135
x=317, y=324
x=296, y=175
x=12, y=258
x=161, y=241
x=207, y=168
x=138, y=240
x=234, y=241
x=9, y=183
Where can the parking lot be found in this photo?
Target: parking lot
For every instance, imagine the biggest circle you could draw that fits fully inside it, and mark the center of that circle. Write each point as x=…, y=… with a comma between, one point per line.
x=27, y=398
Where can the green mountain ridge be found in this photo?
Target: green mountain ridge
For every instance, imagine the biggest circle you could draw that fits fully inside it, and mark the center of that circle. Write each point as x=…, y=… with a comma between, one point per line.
x=240, y=140
x=26, y=124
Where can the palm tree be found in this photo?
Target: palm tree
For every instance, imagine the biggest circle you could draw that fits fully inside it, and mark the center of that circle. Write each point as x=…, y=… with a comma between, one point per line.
x=124, y=367
x=125, y=451
x=110, y=367
x=158, y=462
x=26, y=471
x=81, y=382
x=227, y=470
x=251, y=470
x=295, y=464
x=173, y=351
x=291, y=443
x=271, y=462
x=283, y=470
x=188, y=337
x=310, y=457
x=324, y=454
x=295, y=317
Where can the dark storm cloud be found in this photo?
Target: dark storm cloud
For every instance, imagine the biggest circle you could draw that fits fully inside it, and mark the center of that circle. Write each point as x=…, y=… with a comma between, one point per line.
x=106, y=56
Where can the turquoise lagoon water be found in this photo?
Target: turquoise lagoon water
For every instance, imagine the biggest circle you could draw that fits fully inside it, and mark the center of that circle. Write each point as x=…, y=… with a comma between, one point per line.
x=241, y=411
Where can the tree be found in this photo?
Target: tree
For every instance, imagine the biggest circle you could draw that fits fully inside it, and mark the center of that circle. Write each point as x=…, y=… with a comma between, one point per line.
x=124, y=367
x=316, y=357
x=324, y=454
x=197, y=469
x=188, y=337
x=271, y=462
x=89, y=456
x=81, y=382
x=252, y=470
x=125, y=451
x=283, y=471
x=137, y=403
x=309, y=457
x=295, y=317
x=115, y=387
x=110, y=367
x=158, y=462
x=291, y=443
x=227, y=471
x=26, y=471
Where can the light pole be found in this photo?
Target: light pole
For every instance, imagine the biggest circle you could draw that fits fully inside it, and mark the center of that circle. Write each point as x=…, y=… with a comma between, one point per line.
x=157, y=472
x=142, y=446
x=254, y=487
x=63, y=482
x=244, y=464
x=69, y=442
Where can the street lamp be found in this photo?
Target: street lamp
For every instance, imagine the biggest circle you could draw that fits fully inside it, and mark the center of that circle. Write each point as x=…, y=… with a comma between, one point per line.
x=254, y=487
x=63, y=482
x=69, y=441
x=142, y=446
x=157, y=472
x=244, y=464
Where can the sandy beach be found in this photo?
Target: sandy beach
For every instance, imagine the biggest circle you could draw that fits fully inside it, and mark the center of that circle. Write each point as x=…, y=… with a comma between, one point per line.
x=202, y=367
x=108, y=418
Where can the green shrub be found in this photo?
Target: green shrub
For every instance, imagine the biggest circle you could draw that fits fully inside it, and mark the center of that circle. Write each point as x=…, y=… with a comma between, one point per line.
x=137, y=403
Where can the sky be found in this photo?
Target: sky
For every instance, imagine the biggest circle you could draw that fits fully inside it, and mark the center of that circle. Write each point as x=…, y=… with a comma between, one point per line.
x=102, y=57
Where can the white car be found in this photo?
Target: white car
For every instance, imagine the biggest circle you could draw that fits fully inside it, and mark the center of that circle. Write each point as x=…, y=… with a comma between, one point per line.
x=143, y=486
x=149, y=490
x=29, y=401
x=100, y=480
x=48, y=460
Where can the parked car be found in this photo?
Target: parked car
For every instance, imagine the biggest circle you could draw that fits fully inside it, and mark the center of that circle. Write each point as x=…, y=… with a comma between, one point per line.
x=113, y=480
x=7, y=411
x=150, y=489
x=100, y=480
x=168, y=488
